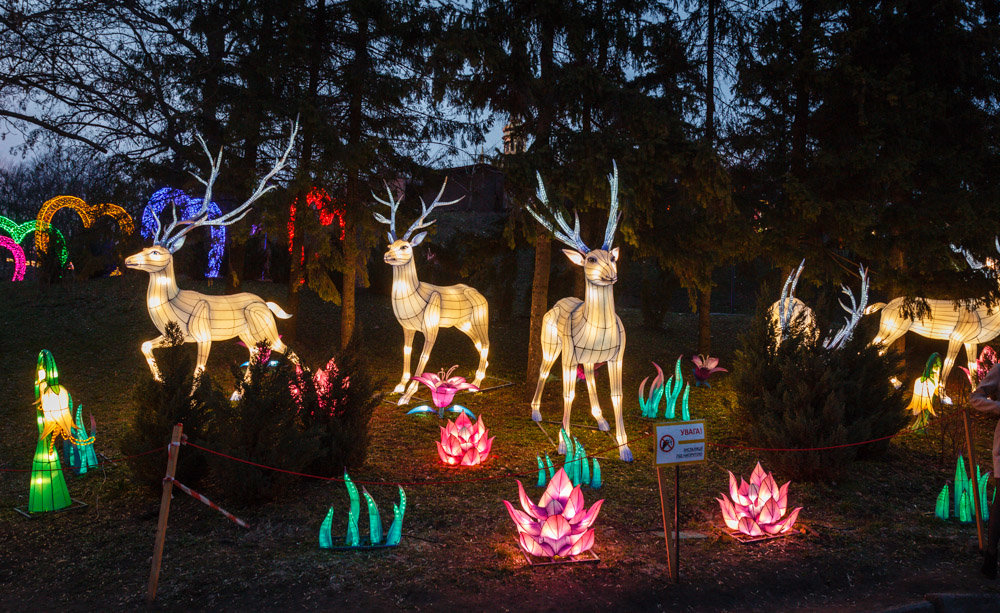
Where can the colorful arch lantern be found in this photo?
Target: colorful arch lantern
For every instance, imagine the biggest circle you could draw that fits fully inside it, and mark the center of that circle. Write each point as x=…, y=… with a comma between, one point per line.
x=18, y=231
x=19, y=262
x=88, y=215
x=319, y=200
x=188, y=206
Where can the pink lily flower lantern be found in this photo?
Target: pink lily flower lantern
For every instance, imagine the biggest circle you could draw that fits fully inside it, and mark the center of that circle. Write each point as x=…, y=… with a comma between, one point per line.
x=464, y=443
x=559, y=526
x=704, y=367
x=756, y=508
x=443, y=388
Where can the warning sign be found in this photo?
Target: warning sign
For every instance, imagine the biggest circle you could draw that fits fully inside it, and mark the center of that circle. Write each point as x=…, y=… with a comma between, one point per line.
x=680, y=442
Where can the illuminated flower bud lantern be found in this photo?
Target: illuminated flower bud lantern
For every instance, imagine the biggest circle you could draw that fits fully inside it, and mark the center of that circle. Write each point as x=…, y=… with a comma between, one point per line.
x=925, y=388
x=559, y=526
x=443, y=388
x=757, y=508
x=704, y=367
x=464, y=443
x=987, y=359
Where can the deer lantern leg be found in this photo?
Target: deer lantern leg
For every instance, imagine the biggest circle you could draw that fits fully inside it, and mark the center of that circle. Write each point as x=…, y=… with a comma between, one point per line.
x=551, y=347
x=147, y=351
x=408, y=335
x=615, y=373
x=970, y=356
x=432, y=317
x=200, y=328
x=595, y=405
x=569, y=393
x=477, y=329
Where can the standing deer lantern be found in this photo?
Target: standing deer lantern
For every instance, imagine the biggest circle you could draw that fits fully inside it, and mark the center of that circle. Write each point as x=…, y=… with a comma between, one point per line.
x=959, y=325
x=204, y=318
x=585, y=332
x=426, y=308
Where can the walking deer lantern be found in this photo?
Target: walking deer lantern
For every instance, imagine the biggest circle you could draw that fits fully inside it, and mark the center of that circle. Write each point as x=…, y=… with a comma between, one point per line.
x=588, y=331
x=204, y=318
x=422, y=307
x=959, y=325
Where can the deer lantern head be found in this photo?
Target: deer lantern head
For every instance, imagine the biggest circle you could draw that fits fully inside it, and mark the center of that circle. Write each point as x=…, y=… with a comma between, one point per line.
x=600, y=266
x=151, y=259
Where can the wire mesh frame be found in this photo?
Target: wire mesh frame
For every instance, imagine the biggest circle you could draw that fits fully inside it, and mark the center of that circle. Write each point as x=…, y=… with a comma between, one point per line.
x=75, y=506
x=747, y=539
x=342, y=548
x=587, y=557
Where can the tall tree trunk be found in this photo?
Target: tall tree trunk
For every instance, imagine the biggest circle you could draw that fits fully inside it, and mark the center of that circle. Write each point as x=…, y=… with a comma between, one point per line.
x=704, y=321
x=543, y=242
x=360, y=68
x=705, y=296
x=539, y=304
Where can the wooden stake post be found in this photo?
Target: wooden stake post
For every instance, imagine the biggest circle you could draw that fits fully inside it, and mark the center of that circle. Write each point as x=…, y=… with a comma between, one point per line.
x=161, y=526
x=677, y=443
x=972, y=477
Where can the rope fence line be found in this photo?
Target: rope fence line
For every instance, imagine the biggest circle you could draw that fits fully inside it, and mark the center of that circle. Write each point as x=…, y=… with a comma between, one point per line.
x=533, y=470
x=509, y=475
x=99, y=463
x=202, y=499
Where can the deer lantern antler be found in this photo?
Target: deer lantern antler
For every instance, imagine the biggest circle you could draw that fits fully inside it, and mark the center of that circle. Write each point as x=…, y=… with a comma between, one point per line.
x=854, y=313
x=584, y=332
x=421, y=221
x=201, y=318
x=173, y=237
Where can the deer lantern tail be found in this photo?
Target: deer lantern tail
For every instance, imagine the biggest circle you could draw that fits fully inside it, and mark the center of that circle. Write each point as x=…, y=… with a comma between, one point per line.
x=277, y=310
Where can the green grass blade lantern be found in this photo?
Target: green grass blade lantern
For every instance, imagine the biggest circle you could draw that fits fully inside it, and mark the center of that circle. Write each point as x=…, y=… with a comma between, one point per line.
x=353, y=537
x=962, y=496
x=580, y=469
x=670, y=392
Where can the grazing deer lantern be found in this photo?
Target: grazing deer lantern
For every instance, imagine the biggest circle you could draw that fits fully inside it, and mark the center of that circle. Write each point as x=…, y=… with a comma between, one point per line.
x=585, y=332
x=203, y=318
x=426, y=308
x=959, y=325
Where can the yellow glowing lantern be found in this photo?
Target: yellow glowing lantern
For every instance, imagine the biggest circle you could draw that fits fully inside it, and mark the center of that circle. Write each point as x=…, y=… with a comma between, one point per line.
x=925, y=388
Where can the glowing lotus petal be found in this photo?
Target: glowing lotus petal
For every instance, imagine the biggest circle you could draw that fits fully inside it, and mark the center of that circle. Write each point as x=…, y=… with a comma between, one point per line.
x=583, y=543
x=756, y=508
x=728, y=513
x=748, y=526
x=560, y=526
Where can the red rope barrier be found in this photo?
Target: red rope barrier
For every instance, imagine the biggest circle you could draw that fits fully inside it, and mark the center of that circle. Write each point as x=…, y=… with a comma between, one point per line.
x=202, y=499
x=106, y=461
x=532, y=471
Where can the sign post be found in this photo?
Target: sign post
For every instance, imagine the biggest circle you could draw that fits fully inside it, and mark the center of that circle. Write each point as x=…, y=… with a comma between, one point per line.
x=677, y=443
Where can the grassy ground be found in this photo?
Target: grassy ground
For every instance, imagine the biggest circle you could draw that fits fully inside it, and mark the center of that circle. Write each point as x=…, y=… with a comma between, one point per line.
x=867, y=541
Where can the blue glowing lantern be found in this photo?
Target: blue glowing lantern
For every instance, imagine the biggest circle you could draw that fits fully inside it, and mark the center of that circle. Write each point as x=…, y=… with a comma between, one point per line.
x=188, y=207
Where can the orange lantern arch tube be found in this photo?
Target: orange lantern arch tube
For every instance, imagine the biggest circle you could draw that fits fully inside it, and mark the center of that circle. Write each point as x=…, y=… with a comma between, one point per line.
x=88, y=214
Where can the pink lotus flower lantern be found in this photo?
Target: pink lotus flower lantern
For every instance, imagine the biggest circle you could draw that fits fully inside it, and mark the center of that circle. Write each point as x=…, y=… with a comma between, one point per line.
x=559, y=526
x=704, y=367
x=757, y=507
x=443, y=389
x=464, y=443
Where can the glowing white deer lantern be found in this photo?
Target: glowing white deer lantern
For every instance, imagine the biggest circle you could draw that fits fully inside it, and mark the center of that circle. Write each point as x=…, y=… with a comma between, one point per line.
x=788, y=308
x=204, y=318
x=959, y=325
x=426, y=308
x=585, y=332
